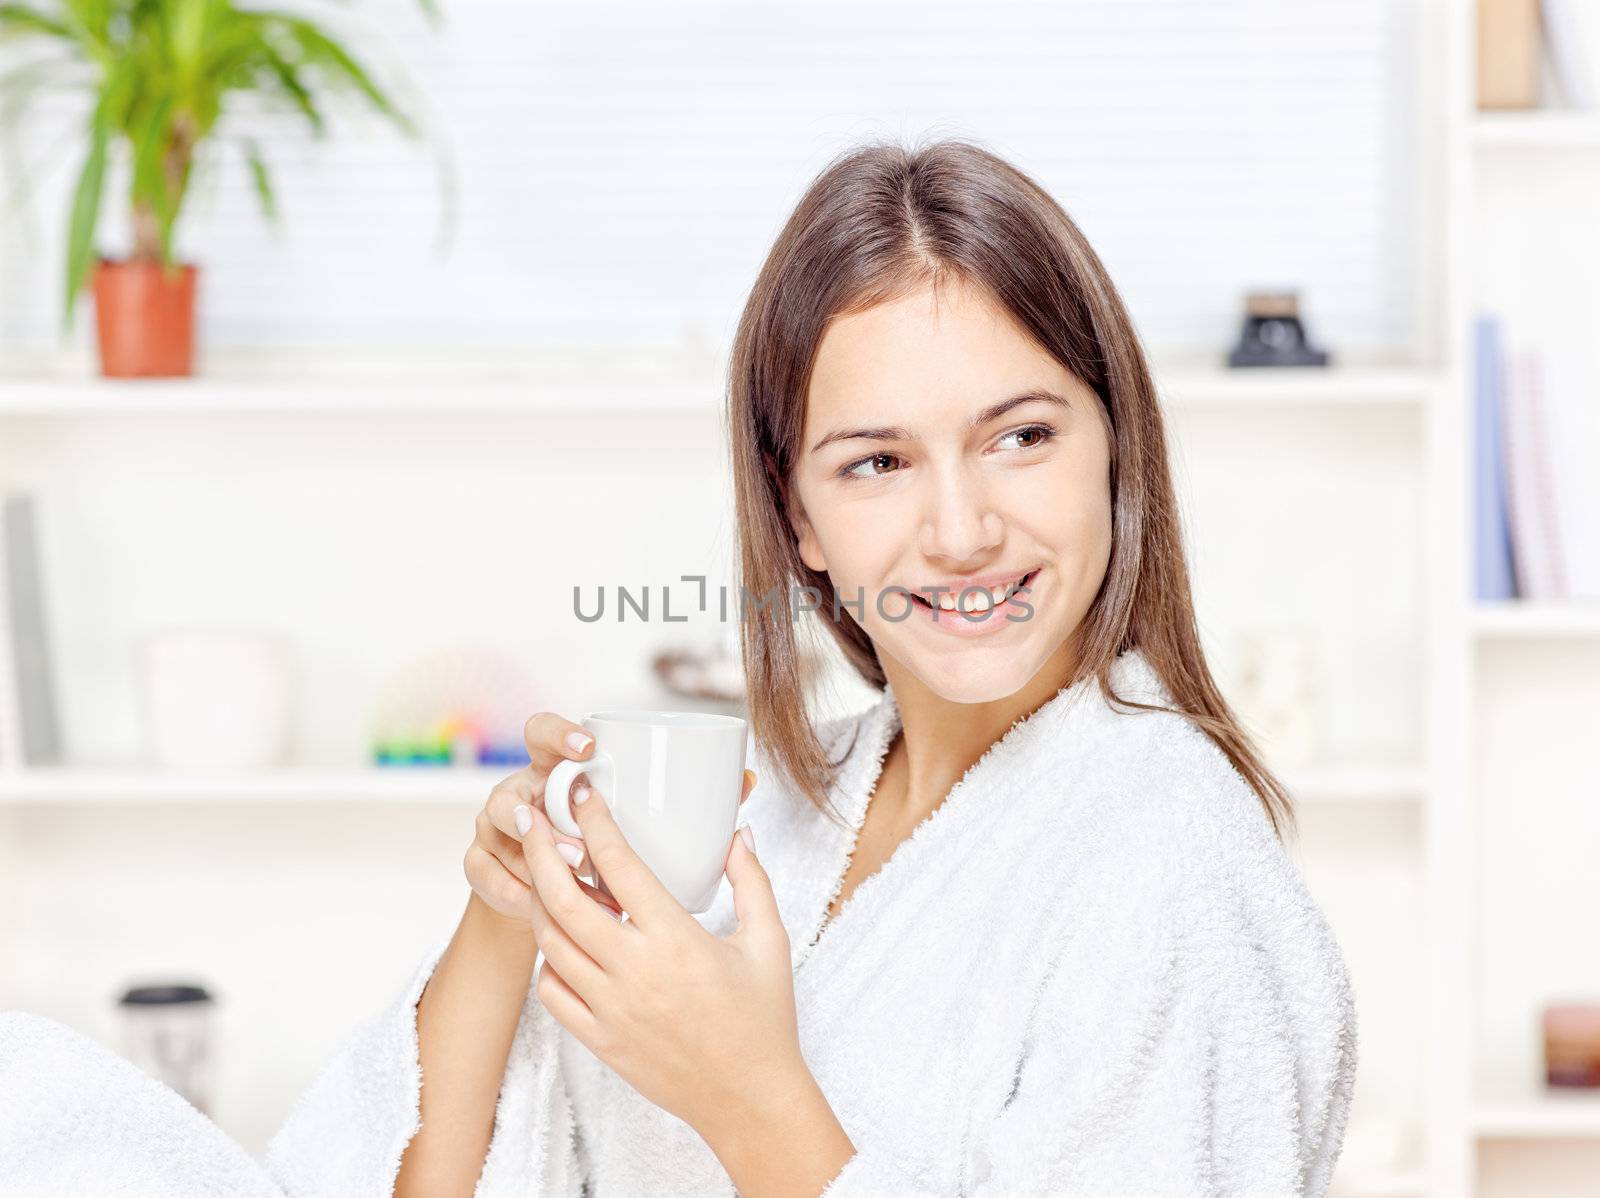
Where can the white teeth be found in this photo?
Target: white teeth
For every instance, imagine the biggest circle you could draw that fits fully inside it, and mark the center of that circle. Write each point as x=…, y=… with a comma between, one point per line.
x=974, y=601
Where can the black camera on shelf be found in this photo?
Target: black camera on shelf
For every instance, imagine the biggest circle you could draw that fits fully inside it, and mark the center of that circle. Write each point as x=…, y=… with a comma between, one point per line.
x=1273, y=334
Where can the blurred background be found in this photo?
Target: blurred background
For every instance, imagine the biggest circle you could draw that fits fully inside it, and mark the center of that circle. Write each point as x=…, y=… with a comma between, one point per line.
x=448, y=370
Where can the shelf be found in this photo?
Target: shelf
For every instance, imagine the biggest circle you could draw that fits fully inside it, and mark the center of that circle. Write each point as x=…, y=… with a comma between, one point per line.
x=1528, y=619
x=463, y=381
x=1359, y=386
x=1396, y=1183
x=1334, y=784
x=472, y=386
x=1538, y=127
x=1539, y=1114
x=387, y=784
x=450, y=784
x=445, y=397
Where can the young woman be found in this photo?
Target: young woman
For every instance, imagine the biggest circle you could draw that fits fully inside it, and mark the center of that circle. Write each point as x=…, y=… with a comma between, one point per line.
x=1025, y=925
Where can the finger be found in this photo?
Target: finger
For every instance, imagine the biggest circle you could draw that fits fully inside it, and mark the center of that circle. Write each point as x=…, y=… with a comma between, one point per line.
x=569, y=1010
x=565, y=900
x=508, y=853
x=511, y=792
x=754, y=904
x=635, y=885
x=576, y=967
x=538, y=916
x=550, y=738
x=496, y=885
x=509, y=888
x=510, y=893
x=525, y=788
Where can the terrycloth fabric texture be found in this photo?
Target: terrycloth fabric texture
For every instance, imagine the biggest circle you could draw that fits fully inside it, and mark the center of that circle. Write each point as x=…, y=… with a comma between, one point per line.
x=1091, y=971
x=79, y=1121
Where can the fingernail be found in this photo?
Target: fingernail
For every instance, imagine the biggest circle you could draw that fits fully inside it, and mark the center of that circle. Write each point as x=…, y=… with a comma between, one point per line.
x=570, y=853
x=522, y=816
x=749, y=838
x=579, y=793
x=578, y=741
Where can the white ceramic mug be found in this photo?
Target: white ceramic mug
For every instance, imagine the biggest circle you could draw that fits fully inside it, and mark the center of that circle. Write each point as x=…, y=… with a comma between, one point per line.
x=673, y=780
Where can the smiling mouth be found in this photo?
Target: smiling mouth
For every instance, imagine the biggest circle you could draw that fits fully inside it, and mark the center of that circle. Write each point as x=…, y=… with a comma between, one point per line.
x=972, y=602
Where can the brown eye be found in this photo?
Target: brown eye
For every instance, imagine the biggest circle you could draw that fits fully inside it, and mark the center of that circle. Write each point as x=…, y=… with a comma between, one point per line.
x=863, y=468
x=1038, y=434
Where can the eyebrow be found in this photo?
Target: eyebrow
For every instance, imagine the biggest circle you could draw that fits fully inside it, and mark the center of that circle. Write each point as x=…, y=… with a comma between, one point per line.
x=993, y=412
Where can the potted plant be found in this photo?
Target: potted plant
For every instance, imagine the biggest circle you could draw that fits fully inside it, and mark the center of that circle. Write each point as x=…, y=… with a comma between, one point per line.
x=160, y=73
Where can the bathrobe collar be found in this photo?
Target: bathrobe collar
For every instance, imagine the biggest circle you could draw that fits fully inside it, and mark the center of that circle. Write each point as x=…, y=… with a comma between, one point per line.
x=1059, y=726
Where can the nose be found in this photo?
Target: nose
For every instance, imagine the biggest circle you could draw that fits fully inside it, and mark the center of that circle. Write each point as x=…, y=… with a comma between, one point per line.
x=960, y=524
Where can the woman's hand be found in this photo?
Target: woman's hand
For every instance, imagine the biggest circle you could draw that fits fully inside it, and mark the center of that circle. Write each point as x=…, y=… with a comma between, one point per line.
x=495, y=865
x=702, y=1026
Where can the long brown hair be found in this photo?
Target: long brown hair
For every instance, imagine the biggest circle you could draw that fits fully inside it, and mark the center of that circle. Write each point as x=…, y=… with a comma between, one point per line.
x=878, y=222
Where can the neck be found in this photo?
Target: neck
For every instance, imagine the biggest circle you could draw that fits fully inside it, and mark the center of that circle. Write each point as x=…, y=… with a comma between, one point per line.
x=940, y=739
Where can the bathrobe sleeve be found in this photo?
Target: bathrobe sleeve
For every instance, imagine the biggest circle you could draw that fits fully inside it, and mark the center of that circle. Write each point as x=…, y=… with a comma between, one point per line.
x=77, y=1118
x=1220, y=1062
x=1215, y=1059
x=347, y=1132
x=1235, y=1083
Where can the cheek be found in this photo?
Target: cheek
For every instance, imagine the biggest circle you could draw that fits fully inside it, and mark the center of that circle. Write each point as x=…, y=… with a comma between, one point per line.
x=1082, y=541
x=1086, y=523
x=863, y=539
x=1068, y=509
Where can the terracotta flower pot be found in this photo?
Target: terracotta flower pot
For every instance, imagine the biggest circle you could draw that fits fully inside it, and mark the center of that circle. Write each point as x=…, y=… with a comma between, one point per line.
x=145, y=317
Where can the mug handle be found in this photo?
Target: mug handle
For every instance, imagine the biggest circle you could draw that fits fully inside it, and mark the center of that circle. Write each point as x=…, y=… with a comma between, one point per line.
x=602, y=771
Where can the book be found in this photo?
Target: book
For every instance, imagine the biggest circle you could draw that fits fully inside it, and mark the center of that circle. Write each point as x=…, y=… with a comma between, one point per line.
x=29, y=734
x=1570, y=62
x=1536, y=547
x=1572, y=412
x=1508, y=54
x=1493, y=570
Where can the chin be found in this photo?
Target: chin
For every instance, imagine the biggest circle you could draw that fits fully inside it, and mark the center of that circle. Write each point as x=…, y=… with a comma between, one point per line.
x=974, y=677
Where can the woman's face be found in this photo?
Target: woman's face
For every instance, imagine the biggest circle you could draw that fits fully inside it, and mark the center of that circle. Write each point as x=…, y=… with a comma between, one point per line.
x=944, y=448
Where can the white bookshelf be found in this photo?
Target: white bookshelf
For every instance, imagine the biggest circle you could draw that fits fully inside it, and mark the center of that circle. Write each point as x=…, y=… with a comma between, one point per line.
x=471, y=784
x=1537, y=1114
x=1427, y=794
x=1376, y=405
x=221, y=396
x=1380, y=1183
x=377, y=784
x=425, y=385
x=1357, y=783
x=1354, y=386
x=1472, y=1109
x=1551, y=128
x=1522, y=619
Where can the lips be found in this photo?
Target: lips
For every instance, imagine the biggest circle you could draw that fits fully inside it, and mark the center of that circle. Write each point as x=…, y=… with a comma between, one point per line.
x=972, y=603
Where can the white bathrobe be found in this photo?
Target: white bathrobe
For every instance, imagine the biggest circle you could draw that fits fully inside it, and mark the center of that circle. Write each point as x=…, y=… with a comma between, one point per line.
x=1091, y=971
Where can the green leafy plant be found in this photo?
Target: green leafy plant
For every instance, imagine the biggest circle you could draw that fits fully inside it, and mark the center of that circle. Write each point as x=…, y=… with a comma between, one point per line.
x=160, y=73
